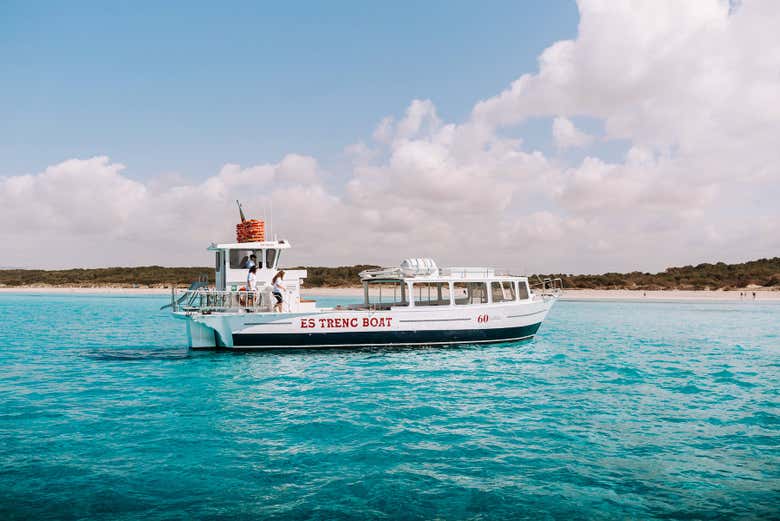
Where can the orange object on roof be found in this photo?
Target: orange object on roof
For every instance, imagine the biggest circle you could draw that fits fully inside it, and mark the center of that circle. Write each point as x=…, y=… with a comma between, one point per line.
x=251, y=230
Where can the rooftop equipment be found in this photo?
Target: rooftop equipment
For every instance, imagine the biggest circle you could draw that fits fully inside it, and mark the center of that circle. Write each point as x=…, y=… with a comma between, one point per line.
x=249, y=230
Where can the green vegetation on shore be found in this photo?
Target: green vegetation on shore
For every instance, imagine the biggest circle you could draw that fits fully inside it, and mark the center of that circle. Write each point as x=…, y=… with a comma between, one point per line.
x=341, y=276
x=762, y=272
x=159, y=276
x=143, y=276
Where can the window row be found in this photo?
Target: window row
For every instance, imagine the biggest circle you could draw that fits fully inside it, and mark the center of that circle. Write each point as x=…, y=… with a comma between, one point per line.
x=245, y=259
x=395, y=293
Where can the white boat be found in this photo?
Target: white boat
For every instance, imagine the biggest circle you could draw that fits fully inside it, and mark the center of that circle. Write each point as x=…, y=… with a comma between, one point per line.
x=414, y=304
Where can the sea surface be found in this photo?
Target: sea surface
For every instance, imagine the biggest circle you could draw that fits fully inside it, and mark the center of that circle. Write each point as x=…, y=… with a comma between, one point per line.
x=617, y=410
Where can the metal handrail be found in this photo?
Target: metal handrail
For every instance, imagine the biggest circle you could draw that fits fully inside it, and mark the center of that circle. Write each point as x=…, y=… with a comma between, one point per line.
x=549, y=287
x=468, y=272
x=210, y=300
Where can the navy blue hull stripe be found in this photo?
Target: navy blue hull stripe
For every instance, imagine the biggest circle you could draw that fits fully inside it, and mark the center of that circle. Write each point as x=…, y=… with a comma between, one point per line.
x=438, y=320
x=384, y=338
x=527, y=314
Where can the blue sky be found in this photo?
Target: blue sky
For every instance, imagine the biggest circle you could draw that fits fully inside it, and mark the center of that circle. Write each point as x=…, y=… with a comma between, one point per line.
x=544, y=136
x=185, y=86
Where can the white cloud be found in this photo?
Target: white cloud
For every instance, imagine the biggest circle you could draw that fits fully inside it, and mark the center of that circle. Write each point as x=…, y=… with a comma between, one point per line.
x=566, y=135
x=75, y=196
x=692, y=87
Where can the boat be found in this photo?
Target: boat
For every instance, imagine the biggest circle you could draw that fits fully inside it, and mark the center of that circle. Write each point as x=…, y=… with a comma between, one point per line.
x=414, y=304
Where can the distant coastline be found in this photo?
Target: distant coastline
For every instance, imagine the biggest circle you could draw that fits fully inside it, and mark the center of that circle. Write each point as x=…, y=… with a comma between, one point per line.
x=762, y=295
x=759, y=275
x=720, y=279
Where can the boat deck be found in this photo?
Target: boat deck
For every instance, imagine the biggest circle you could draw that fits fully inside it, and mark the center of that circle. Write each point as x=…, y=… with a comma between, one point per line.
x=207, y=301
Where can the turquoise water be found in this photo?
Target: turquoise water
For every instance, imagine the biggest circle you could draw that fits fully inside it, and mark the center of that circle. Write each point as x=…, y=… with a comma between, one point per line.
x=616, y=410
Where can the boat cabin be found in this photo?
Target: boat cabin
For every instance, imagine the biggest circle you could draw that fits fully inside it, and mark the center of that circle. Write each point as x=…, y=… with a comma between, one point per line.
x=232, y=262
x=232, y=267
x=420, y=283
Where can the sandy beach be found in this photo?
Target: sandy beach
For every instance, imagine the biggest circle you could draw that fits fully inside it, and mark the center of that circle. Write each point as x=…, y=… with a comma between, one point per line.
x=671, y=295
x=103, y=290
x=569, y=295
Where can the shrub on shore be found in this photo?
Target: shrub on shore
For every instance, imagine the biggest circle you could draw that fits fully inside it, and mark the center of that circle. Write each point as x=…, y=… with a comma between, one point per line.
x=706, y=276
x=761, y=272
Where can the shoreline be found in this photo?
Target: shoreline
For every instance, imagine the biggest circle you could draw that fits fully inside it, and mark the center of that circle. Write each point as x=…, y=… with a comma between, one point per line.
x=676, y=295
x=572, y=295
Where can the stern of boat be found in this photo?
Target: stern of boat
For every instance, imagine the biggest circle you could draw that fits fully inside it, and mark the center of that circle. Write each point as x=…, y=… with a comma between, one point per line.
x=200, y=336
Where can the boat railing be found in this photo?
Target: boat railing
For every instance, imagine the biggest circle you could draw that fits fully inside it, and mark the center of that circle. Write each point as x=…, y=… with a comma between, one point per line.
x=471, y=272
x=548, y=287
x=210, y=300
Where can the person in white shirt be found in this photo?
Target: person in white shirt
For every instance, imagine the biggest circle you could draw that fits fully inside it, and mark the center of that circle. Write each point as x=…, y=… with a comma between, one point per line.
x=251, y=285
x=277, y=291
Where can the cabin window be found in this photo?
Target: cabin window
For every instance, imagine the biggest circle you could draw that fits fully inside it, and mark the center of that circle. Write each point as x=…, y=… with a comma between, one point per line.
x=503, y=291
x=431, y=293
x=219, y=261
x=239, y=259
x=384, y=294
x=270, y=258
x=522, y=290
x=469, y=293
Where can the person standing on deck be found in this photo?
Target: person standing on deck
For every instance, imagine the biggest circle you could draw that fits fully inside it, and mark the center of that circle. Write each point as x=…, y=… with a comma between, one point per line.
x=277, y=291
x=251, y=285
x=251, y=279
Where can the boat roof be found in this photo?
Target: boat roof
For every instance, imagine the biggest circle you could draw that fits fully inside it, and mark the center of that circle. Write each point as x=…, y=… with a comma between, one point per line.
x=250, y=245
x=442, y=274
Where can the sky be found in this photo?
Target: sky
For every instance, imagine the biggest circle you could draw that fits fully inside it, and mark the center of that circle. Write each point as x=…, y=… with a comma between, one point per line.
x=537, y=136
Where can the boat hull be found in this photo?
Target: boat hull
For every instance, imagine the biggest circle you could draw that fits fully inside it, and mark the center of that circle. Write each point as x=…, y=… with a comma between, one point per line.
x=345, y=328
x=383, y=338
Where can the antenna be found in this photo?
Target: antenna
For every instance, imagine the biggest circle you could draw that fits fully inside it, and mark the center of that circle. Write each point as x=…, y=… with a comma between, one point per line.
x=271, y=216
x=241, y=211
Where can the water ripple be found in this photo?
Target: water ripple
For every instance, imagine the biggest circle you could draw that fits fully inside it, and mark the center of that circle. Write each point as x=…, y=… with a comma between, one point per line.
x=615, y=411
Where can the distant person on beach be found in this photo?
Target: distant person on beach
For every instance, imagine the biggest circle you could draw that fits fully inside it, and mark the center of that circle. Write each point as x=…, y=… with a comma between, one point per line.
x=754, y=295
x=276, y=282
